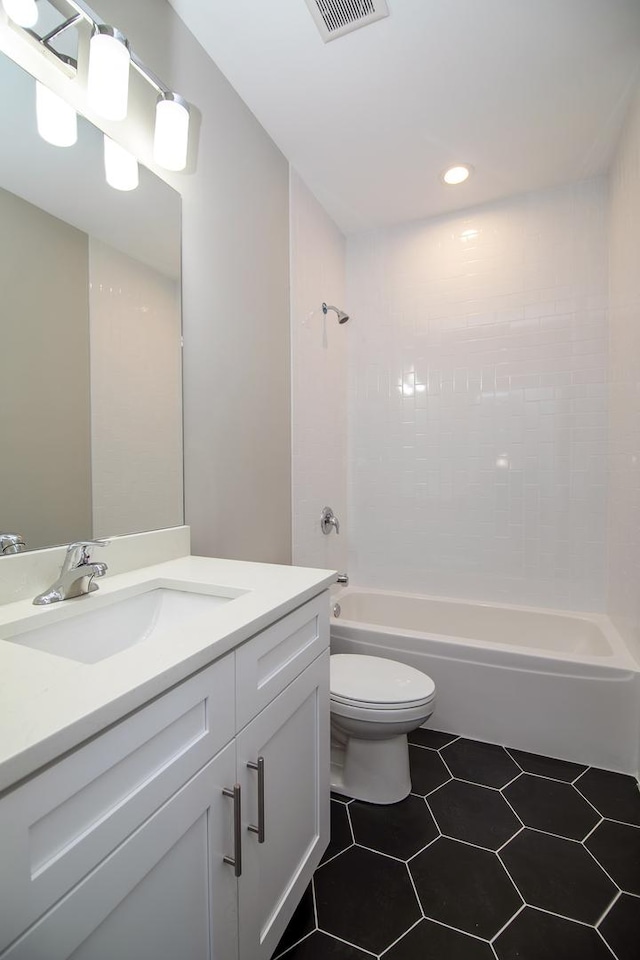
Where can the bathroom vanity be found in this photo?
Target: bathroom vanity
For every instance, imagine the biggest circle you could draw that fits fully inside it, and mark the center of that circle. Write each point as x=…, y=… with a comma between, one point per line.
x=169, y=799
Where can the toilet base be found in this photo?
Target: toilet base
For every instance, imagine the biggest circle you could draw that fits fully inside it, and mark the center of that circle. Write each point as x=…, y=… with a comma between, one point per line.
x=376, y=771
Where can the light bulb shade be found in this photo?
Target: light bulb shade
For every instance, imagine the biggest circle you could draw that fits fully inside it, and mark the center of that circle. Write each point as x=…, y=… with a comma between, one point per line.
x=171, y=138
x=120, y=166
x=22, y=12
x=57, y=120
x=108, y=78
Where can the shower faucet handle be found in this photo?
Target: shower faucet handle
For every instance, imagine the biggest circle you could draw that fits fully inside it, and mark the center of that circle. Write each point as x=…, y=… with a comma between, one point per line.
x=329, y=521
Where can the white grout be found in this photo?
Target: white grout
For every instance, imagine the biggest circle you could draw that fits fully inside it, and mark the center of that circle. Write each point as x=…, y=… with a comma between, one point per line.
x=441, y=923
x=614, y=901
x=389, y=856
x=391, y=945
x=348, y=943
x=508, y=923
x=607, y=945
x=287, y=952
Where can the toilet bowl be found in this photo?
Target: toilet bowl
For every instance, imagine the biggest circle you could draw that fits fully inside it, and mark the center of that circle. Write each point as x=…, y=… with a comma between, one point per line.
x=375, y=703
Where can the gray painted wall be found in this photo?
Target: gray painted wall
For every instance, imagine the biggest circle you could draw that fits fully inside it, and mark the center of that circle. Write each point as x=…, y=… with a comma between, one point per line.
x=235, y=300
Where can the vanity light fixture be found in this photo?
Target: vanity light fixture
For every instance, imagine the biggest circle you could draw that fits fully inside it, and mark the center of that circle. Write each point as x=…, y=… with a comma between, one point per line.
x=108, y=77
x=22, y=12
x=171, y=139
x=110, y=58
x=56, y=119
x=456, y=174
x=120, y=166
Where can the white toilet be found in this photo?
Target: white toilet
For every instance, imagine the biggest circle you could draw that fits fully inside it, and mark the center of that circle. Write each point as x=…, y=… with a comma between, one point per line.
x=375, y=703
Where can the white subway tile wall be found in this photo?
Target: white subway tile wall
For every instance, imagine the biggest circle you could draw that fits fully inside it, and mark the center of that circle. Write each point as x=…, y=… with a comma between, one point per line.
x=478, y=402
x=624, y=371
x=319, y=382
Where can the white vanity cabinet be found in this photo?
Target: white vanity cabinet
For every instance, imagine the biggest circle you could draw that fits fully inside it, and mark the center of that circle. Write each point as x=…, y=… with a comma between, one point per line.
x=125, y=847
x=289, y=737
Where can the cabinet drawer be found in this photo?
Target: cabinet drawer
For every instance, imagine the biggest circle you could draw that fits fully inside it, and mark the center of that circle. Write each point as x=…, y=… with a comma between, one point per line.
x=59, y=825
x=268, y=662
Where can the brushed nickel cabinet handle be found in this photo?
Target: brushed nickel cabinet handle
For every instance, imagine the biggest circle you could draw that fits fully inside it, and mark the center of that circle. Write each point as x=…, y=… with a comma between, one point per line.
x=259, y=766
x=236, y=860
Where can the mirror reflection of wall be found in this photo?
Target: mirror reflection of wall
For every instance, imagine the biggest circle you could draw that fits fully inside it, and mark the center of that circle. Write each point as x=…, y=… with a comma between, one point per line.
x=90, y=329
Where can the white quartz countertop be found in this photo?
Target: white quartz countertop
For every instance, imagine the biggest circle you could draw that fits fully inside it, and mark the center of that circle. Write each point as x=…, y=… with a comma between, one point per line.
x=49, y=704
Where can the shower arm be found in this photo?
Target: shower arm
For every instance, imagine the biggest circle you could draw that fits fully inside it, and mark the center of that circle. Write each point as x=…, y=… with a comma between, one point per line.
x=342, y=316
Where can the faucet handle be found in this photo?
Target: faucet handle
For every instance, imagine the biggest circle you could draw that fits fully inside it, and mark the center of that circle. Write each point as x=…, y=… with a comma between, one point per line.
x=328, y=520
x=79, y=552
x=12, y=543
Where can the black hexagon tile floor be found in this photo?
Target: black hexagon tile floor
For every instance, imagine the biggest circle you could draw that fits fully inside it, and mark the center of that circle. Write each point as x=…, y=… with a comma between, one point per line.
x=498, y=854
x=466, y=811
x=551, y=806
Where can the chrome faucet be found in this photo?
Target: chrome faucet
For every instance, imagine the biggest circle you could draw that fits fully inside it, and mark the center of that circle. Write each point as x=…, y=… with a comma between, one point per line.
x=12, y=543
x=77, y=573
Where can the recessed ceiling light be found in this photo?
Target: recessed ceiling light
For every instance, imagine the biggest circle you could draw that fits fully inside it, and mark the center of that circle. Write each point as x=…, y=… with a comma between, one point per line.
x=456, y=174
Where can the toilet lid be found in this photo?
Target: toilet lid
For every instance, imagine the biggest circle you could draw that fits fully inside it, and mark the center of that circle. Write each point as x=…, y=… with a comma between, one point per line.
x=378, y=683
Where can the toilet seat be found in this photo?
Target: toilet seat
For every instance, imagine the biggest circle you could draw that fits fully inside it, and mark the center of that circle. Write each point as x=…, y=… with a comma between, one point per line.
x=375, y=683
x=371, y=714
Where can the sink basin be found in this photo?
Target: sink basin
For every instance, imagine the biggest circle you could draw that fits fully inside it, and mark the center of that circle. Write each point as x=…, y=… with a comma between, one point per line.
x=100, y=633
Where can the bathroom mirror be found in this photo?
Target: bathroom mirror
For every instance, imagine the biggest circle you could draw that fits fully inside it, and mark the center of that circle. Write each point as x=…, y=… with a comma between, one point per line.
x=90, y=337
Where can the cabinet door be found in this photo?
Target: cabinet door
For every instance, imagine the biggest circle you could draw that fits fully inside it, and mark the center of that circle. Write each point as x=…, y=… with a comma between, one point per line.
x=59, y=826
x=164, y=892
x=292, y=737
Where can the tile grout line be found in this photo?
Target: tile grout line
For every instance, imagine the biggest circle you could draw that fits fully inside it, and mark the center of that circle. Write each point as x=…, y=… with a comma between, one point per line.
x=604, y=870
x=441, y=923
x=575, y=780
x=515, y=885
x=621, y=823
x=447, y=767
x=401, y=937
x=517, y=777
x=347, y=943
x=607, y=945
x=477, y=846
x=609, y=908
x=593, y=829
x=416, y=894
x=561, y=916
x=388, y=856
x=508, y=923
x=293, y=946
x=517, y=763
x=586, y=800
x=422, y=849
x=513, y=810
x=315, y=902
x=517, y=834
x=325, y=863
x=556, y=836
x=350, y=822
x=544, y=776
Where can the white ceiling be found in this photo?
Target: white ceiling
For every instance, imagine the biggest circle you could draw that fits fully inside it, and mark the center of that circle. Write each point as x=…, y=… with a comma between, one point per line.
x=530, y=92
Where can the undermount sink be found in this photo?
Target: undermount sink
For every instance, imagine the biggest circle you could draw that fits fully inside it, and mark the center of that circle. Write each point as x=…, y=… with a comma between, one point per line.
x=96, y=634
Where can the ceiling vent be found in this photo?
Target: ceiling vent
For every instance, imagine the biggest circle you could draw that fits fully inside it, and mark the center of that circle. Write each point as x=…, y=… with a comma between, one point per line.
x=334, y=18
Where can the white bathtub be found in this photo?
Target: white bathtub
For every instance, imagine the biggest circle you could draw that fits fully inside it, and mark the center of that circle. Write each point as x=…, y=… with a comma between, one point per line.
x=551, y=682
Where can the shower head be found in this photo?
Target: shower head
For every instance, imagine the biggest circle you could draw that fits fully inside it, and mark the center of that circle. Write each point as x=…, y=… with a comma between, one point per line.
x=342, y=316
